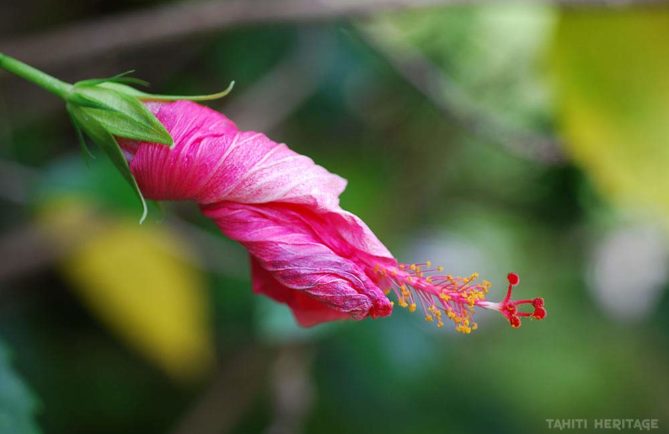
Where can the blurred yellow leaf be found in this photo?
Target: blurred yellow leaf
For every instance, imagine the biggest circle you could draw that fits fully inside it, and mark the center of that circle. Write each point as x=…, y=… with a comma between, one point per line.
x=137, y=281
x=612, y=77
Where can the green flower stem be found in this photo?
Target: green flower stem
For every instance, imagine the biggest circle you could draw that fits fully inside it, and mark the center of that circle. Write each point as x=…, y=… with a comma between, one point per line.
x=36, y=76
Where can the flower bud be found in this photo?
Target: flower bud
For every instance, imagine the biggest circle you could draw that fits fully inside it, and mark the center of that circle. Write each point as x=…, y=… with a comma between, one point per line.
x=106, y=110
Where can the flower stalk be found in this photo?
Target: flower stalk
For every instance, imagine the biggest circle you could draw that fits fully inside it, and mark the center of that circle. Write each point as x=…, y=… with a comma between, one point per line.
x=35, y=76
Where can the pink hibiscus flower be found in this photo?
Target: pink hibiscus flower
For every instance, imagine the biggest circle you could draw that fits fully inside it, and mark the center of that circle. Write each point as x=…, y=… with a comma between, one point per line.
x=306, y=251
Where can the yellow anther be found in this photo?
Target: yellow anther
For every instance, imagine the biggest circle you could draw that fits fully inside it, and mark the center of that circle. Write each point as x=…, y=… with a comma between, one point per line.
x=463, y=329
x=451, y=297
x=440, y=268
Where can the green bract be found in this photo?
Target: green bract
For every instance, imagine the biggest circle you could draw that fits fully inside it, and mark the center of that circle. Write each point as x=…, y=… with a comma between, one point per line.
x=108, y=109
x=105, y=110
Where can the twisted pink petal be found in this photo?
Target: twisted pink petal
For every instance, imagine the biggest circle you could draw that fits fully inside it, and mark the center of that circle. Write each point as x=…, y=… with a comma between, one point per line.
x=305, y=250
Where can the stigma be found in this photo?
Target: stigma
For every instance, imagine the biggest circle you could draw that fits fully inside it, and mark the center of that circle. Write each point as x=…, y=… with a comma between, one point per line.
x=510, y=308
x=443, y=297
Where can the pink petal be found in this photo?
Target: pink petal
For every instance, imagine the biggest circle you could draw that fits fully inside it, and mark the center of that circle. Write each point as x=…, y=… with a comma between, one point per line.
x=308, y=311
x=306, y=250
x=295, y=247
x=212, y=161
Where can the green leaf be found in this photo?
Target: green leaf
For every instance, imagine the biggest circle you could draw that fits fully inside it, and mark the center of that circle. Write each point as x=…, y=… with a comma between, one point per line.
x=106, y=109
x=125, y=113
x=121, y=125
x=110, y=146
x=118, y=78
x=113, y=150
x=155, y=97
x=85, y=151
x=17, y=403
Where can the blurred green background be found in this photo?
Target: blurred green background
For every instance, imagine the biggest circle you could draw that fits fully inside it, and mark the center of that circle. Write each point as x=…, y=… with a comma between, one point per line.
x=485, y=138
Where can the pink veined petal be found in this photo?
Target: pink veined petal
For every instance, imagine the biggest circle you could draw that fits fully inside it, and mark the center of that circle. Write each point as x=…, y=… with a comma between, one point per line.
x=282, y=242
x=307, y=251
x=308, y=311
x=213, y=161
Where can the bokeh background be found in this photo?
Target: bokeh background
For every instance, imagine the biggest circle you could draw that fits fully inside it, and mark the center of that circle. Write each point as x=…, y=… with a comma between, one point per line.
x=490, y=138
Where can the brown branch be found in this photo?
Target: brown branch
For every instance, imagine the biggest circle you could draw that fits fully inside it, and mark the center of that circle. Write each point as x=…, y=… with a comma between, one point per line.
x=104, y=36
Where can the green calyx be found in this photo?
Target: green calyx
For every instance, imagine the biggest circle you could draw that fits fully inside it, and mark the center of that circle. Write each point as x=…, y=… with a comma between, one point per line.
x=108, y=109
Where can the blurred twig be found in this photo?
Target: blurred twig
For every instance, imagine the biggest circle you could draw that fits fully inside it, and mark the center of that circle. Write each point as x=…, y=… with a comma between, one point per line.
x=16, y=180
x=6, y=137
x=27, y=248
x=232, y=392
x=23, y=250
x=417, y=69
x=292, y=389
x=167, y=22
x=177, y=20
x=228, y=396
x=282, y=90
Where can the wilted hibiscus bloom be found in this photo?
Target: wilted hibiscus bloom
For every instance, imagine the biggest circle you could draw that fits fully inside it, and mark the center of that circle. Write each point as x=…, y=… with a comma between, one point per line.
x=306, y=251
